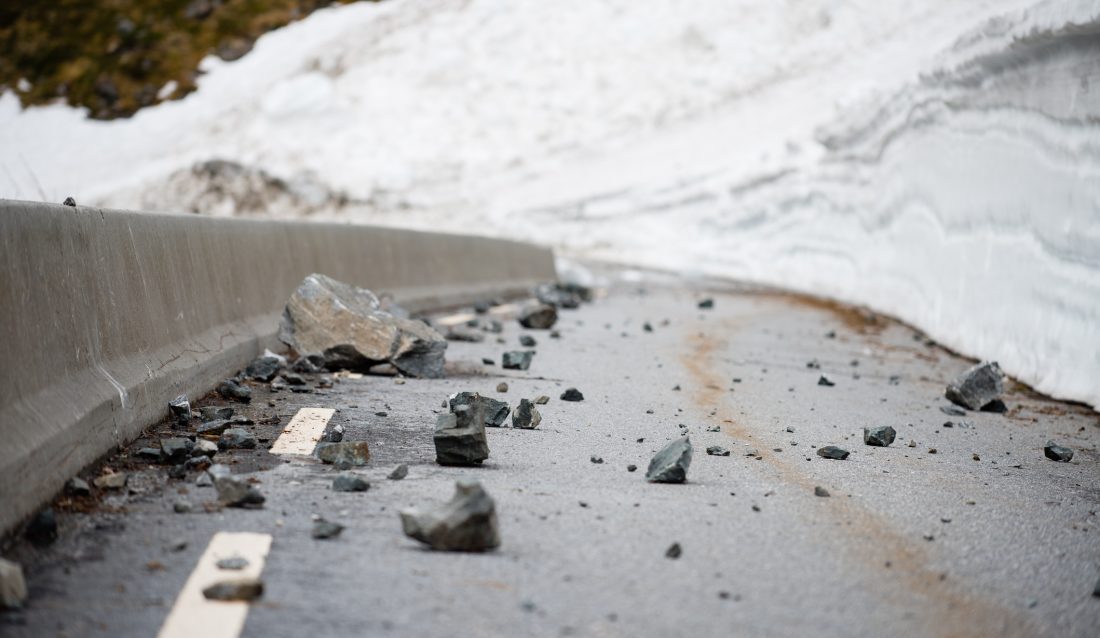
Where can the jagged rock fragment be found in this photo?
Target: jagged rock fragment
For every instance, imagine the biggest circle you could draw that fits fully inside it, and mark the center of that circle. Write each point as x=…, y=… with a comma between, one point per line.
x=525, y=416
x=977, y=386
x=538, y=317
x=671, y=464
x=468, y=523
x=879, y=436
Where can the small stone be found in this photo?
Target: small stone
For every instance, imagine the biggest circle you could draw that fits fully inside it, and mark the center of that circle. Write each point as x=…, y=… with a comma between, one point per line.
x=464, y=335
x=821, y=491
x=311, y=363
x=527, y=341
x=542, y=399
x=487, y=361
x=180, y=408
x=517, y=359
x=111, y=481
x=832, y=452
x=42, y=529
x=263, y=368
x=197, y=462
x=1056, y=452
x=216, y=413
x=493, y=326
x=951, y=410
x=912, y=443
x=399, y=472
x=294, y=379
x=69, y=201
x=879, y=436
x=572, y=394
x=344, y=454
x=502, y=387
x=674, y=551
x=975, y=456
x=235, y=492
x=13, y=588
x=717, y=450
x=460, y=443
x=231, y=389
x=714, y=428
x=467, y=523
x=631, y=467
x=236, y=439
x=176, y=450
x=671, y=464
x=647, y=327
x=996, y=406
x=349, y=483
x=336, y=434
x=706, y=304
x=77, y=486
x=824, y=380
x=977, y=386
x=181, y=506
x=493, y=412
x=1096, y=589
x=538, y=317
x=596, y=459
x=554, y=334
x=233, y=563
x=525, y=416
x=244, y=589
x=323, y=529
x=790, y=429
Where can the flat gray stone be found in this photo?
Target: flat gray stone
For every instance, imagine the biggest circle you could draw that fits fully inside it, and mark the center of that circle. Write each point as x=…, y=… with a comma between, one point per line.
x=460, y=437
x=263, y=368
x=176, y=449
x=204, y=448
x=881, y=436
x=232, y=389
x=717, y=450
x=344, y=454
x=517, y=359
x=671, y=464
x=1056, y=452
x=462, y=334
x=399, y=472
x=216, y=413
x=215, y=427
x=349, y=483
x=977, y=386
x=236, y=439
x=350, y=327
x=235, y=492
x=468, y=523
x=242, y=589
x=832, y=452
x=542, y=400
x=323, y=529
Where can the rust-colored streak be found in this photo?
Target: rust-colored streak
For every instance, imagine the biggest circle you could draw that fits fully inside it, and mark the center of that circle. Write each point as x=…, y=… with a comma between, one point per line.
x=956, y=613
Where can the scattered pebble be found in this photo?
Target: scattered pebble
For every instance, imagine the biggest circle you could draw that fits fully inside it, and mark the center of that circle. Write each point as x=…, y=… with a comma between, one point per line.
x=821, y=491
x=717, y=450
x=832, y=452
x=824, y=380
x=323, y=529
x=671, y=464
x=233, y=563
x=596, y=459
x=631, y=467
x=1056, y=452
x=542, y=399
x=977, y=386
x=527, y=341
x=399, y=472
x=879, y=436
x=517, y=359
x=349, y=483
x=674, y=551
x=706, y=304
x=502, y=387
x=245, y=589
x=572, y=394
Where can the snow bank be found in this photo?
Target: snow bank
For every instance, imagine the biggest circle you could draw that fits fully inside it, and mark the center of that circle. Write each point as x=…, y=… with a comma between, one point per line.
x=939, y=161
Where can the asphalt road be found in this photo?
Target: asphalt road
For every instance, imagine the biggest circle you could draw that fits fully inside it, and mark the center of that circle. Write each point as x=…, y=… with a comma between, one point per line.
x=984, y=537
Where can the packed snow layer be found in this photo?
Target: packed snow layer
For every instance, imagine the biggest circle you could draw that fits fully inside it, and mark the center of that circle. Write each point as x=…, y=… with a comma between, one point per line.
x=939, y=161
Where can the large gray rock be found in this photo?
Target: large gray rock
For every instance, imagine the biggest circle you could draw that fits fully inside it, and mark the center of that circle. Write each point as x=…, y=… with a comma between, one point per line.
x=977, y=386
x=460, y=437
x=13, y=589
x=468, y=523
x=670, y=465
x=494, y=412
x=348, y=325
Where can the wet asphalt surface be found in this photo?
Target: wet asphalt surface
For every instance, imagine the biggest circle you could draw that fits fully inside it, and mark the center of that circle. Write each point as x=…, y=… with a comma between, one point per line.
x=983, y=537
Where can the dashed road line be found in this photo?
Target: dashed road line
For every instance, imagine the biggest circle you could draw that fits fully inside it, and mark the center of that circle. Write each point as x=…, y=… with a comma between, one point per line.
x=193, y=615
x=303, y=432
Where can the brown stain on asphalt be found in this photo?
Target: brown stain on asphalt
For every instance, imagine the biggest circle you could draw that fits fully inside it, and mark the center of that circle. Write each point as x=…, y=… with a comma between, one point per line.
x=951, y=613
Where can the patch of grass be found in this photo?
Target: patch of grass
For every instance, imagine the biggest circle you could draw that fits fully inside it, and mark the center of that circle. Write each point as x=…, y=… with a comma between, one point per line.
x=114, y=56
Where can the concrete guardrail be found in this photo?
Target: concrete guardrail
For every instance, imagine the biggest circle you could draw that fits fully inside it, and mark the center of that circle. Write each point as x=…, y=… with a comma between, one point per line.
x=107, y=315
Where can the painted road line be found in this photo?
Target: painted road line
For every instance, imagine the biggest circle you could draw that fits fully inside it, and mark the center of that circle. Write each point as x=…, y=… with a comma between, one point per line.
x=303, y=432
x=193, y=615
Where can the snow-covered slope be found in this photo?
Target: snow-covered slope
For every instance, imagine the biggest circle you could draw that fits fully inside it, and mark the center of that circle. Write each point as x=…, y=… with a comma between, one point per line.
x=937, y=160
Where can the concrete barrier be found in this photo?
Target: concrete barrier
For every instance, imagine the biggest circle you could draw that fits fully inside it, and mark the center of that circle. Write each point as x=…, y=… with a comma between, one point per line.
x=107, y=315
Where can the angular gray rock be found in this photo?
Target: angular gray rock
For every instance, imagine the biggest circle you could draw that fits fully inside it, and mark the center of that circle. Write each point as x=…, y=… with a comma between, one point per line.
x=671, y=464
x=706, y=304
x=399, y=472
x=13, y=589
x=232, y=389
x=216, y=413
x=344, y=454
x=214, y=427
x=180, y=408
x=717, y=450
x=349, y=483
x=348, y=325
x=880, y=436
x=242, y=589
x=468, y=523
x=323, y=529
x=977, y=386
x=542, y=400
x=674, y=551
x=263, y=368
x=825, y=381
x=527, y=341
x=336, y=434
x=832, y=452
x=236, y=438
x=572, y=394
x=517, y=359
x=1056, y=452
x=494, y=412
x=525, y=416
x=460, y=437
x=235, y=492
